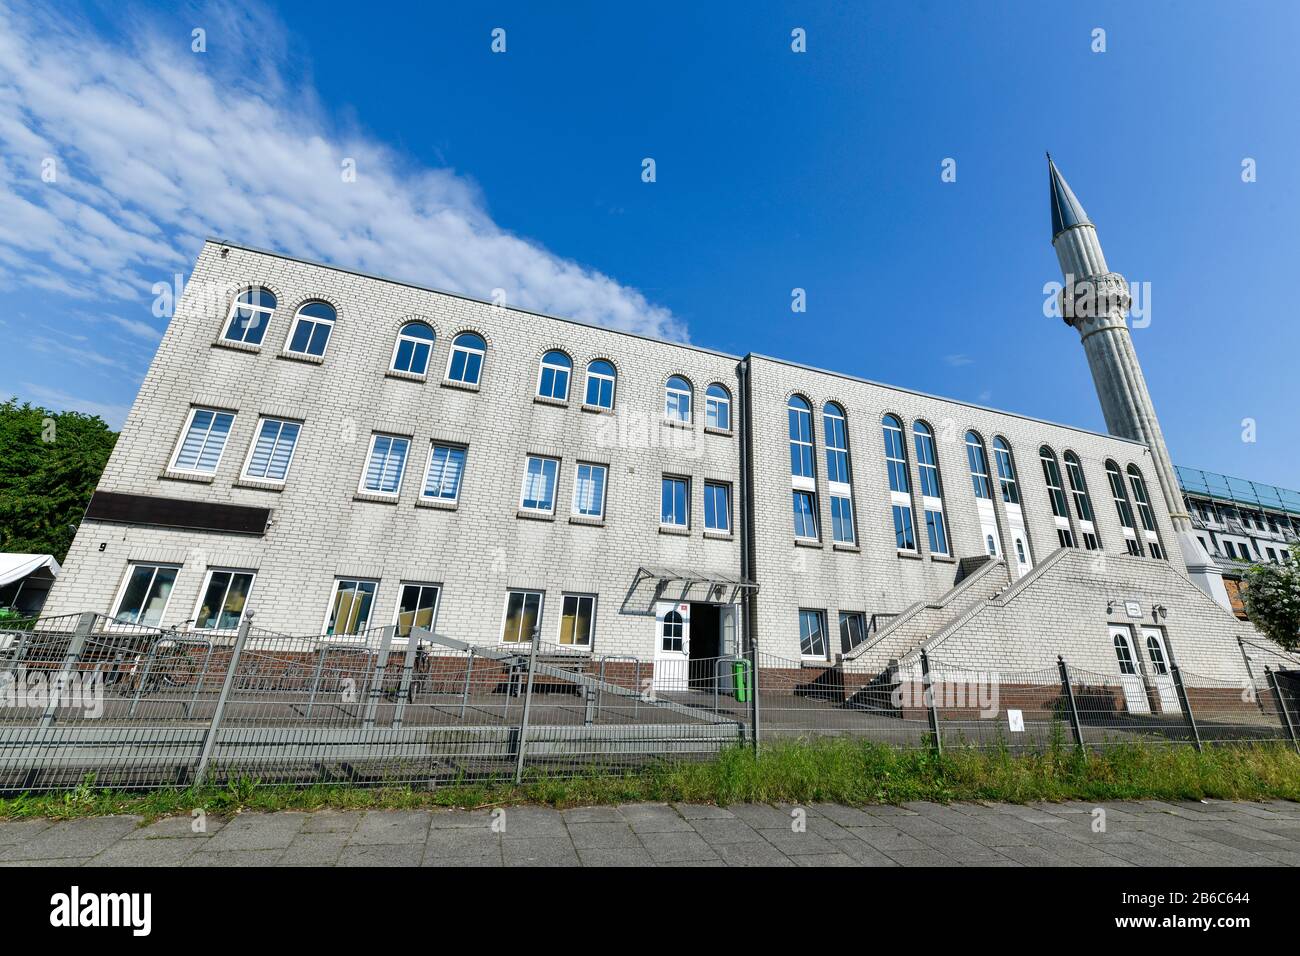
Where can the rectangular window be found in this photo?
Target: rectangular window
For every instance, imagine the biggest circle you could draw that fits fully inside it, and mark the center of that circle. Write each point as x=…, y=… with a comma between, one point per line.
x=935, y=531
x=578, y=619
x=386, y=464
x=144, y=595
x=589, y=491
x=442, y=477
x=417, y=606
x=1133, y=547
x=204, y=440
x=812, y=634
x=350, y=608
x=717, y=506
x=805, y=515
x=523, y=616
x=223, y=601
x=540, y=477
x=1090, y=541
x=1065, y=537
x=268, y=459
x=674, y=503
x=1157, y=552
x=904, y=536
x=842, y=519
x=853, y=630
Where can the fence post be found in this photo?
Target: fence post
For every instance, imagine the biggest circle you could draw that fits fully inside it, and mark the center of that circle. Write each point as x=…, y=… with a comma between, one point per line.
x=377, y=682
x=928, y=684
x=753, y=688
x=1187, y=707
x=210, y=739
x=528, y=703
x=85, y=623
x=404, y=688
x=1068, y=688
x=1281, y=705
x=1250, y=673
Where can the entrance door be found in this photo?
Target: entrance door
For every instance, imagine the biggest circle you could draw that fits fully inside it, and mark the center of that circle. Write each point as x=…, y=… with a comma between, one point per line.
x=1154, y=639
x=706, y=645
x=1135, y=695
x=672, y=646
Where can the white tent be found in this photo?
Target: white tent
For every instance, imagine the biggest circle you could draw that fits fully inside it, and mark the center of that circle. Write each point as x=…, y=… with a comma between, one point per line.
x=15, y=567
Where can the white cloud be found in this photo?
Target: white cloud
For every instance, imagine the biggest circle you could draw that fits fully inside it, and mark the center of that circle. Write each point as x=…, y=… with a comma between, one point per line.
x=157, y=147
x=957, y=360
x=114, y=415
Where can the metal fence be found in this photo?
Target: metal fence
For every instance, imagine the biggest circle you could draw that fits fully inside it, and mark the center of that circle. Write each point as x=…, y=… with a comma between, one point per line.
x=83, y=697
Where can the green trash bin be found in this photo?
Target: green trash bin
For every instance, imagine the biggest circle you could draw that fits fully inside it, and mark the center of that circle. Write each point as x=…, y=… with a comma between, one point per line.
x=739, y=680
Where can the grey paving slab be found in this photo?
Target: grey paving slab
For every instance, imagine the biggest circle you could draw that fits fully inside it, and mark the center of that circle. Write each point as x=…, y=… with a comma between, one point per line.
x=19, y=831
x=848, y=816
x=160, y=852
x=654, y=818
x=382, y=854
x=72, y=839
x=887, y=839
x=763, y=816
x=718, y=832
x=752, y=854
x=455, y=819
x=257, y=831
x=703, y=811
x=381, y=827
x=677, y=847
x=592, y=815
x=173, y=828
x=824, y=859
x=539, y=851
x=926, y=857
x=529, y=822
x=239, y=858
x=332, y=821
x=615, y=856
x=603, y=835
x=799, y=844
x=314, y=849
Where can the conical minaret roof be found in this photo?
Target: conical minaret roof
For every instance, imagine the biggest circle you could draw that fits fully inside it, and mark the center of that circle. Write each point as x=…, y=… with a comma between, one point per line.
x=1066, y=209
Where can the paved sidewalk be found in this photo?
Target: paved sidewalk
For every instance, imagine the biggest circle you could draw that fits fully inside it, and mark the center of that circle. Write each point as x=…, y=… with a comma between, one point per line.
x=1214, y=833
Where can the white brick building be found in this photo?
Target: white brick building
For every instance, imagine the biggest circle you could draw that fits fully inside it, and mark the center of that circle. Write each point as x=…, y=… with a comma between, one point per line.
x=339, y=451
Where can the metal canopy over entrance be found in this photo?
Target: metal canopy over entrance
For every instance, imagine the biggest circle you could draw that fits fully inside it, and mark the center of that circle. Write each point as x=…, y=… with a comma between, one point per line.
x=714, y=580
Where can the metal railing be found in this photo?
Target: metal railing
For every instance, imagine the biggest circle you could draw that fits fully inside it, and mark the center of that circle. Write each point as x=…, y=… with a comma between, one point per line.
x=85, y=697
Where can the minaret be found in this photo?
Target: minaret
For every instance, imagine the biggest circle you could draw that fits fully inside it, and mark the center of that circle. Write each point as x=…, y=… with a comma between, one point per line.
x=1095, y=301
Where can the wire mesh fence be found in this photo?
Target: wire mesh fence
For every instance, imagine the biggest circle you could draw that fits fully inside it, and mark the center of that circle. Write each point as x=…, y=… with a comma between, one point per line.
x=86, y=697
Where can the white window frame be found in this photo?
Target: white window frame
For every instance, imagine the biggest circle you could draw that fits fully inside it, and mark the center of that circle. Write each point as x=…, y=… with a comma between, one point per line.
x=329, y=608
x=397, y=605
x=600, y=376
x=820, y=614
x=686, y=481
x=712, y=404
x=428, y=467
x=555, y=486
x=256, y=310
x=457, y=347
x=726, y=487
x=812, y=511
x=370, y=453
x=185, y=431
x=580, y=596
x=125, y=583
x=299, y=317
x=402, y=336
x=802, y=411
x=543, y=365
x=835, y=496
x=207, y=581
x=577, y=484
x=688, y=392
x=505, y=614
x=252, y=447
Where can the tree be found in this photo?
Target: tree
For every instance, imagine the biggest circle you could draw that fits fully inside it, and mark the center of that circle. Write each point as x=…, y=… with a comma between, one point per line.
x=1272, y=599
x=50, y=463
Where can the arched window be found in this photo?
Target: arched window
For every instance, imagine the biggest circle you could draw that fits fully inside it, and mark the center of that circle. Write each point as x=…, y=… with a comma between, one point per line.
x=990, y=545
x=801, y=442
x=979, y=466
x=717, y=408
x=1157, y=654
x=601, y=379
x=311, y=329
x=802, y=474
x=927, y=465
x=1124, y=654
x=1056, y=495
x=900, y=500
x=677, y=399
x=1082, y=501
x=1122, y=508
x=250, y=314
x=553, y=376
x=465, y=363
x=1006, y=471
x=672, y=632
x=1147, y=516
x=414, y=343
x=836, y=436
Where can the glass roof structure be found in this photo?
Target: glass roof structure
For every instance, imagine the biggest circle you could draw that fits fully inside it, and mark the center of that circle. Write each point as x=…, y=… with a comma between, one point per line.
x=1210, y=484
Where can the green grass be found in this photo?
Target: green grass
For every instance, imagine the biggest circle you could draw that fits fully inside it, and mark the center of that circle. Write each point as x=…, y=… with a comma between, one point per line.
x=839, y=770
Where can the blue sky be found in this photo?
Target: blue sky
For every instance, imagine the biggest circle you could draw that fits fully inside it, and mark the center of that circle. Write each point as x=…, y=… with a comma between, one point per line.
x=775, y=170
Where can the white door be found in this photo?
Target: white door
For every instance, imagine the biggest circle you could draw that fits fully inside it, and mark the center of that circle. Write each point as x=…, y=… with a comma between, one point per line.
x=1154, y=639
x=672, y=646
x=1135, y=693
x=728, y=645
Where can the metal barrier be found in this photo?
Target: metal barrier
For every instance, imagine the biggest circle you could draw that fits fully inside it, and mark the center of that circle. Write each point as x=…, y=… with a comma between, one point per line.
x=83, y=696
